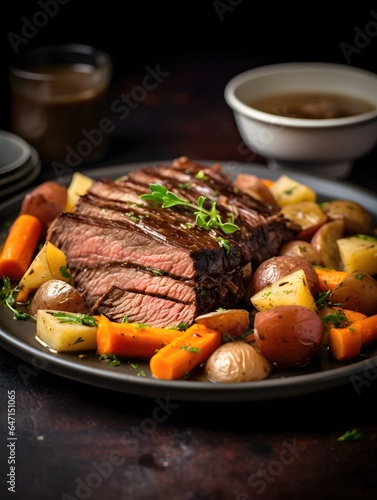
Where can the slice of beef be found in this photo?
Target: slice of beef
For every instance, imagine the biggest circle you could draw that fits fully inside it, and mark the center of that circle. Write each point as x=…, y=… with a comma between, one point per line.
x=142, y=308
x=206, y=292
x=88, y=241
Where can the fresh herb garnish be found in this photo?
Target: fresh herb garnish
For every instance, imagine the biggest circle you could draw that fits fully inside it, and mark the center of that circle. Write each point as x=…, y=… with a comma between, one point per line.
x=339, y=319
x=202, y=176
x=111, y=359
x=223, y=243
x=189, y=348
x=352, y=435
x=366, y=237
x=65, y=272
x=206, y=219
x=7, y=298
x=79, y=319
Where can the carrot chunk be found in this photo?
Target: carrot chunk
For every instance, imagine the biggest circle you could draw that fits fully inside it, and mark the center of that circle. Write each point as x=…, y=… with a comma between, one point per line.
x=367, y=328
x=344, y=343
x=185, y=353
x=132, y=340
x=329, y=278
x=19, y=247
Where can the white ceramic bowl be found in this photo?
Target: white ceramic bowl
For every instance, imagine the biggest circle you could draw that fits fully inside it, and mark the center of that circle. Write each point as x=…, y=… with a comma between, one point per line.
x=325, y=145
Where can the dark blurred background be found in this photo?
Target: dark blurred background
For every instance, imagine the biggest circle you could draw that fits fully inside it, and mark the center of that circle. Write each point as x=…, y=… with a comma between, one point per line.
x=224, y=36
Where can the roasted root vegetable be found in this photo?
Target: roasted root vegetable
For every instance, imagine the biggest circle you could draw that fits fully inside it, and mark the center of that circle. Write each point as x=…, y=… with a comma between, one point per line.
x=346, y=343
x=358, y=292
x=45, y=202
x=358, y=252
x=64, y=332
x=356, y=218
x=237, y=362
x=58, y=295
x=254, y=185
x=275, y=268
x=49, y=263
x=308, y=215
x=324, y=241
x=291, y=289
x=337, y=317
x=19, y=246
x=328, y=279
x=289, y=336
x=181, y=356
x=79, y=185
x=287, y=191
x=234, y=322
x=132, y=340
x=302, y=249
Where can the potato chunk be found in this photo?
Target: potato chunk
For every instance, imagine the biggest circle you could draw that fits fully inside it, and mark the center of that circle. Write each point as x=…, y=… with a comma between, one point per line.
x=358, y=253
x=291, y=289
x=64, y=336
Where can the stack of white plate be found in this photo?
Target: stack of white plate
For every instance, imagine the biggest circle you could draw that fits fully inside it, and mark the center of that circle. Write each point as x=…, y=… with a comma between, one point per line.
x=20, y=164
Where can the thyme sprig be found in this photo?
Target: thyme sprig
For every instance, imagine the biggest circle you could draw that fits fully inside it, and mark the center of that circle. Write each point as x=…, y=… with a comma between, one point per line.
x=204, y=218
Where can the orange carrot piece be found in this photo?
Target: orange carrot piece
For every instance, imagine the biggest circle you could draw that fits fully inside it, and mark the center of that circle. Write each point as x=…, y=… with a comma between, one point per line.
x=329, y=278
x=367, y=328
x=267, y=182
x=131, y=340
x=344, y=343
x=19, y=247
x=185, y=353
x=353, y=316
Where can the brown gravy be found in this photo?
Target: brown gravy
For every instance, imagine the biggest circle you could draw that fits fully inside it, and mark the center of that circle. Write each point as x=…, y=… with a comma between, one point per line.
x=312, y=105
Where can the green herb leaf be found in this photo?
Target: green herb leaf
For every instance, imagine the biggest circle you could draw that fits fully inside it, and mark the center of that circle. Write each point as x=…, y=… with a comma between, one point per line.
x=79, y=319
x=189, y=348
x=206, y=219
x=7, y=298
x=352, y=435
x=110, y=359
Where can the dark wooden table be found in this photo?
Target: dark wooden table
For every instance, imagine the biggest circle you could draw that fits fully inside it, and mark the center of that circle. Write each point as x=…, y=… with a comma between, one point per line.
x=76, y=441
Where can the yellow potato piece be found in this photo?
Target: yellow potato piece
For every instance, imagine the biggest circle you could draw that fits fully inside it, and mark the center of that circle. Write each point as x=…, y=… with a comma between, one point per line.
x=79, y=185
x=292, y=289
x=287, y=191
x=62, y=337
x=358, y=254
x=49, y=263
x=231, y=321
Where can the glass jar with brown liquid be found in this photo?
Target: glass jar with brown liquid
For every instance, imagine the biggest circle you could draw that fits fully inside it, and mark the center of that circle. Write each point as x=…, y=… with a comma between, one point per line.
x=59, y=102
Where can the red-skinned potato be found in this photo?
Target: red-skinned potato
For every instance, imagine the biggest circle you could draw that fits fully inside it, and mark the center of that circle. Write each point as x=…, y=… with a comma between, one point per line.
x=324, y=240
x=289, y=336
x=57, y=295
x=356, y=218
x=271, y=270
x=358, y=292
x=252, y=184
x=308, y=215
x=45, y=202
x=233, y=322
x=302, y=249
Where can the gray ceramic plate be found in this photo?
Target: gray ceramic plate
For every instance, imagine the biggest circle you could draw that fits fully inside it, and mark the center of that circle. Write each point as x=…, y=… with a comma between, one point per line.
x=18, y=336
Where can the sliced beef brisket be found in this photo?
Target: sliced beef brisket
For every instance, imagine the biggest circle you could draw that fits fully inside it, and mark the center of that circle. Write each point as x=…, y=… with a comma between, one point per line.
x=154, y=265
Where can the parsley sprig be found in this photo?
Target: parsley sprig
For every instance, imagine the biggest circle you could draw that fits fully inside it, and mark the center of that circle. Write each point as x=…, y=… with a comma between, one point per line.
x=204, y=218
x=77, y=318
x=7, y=297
